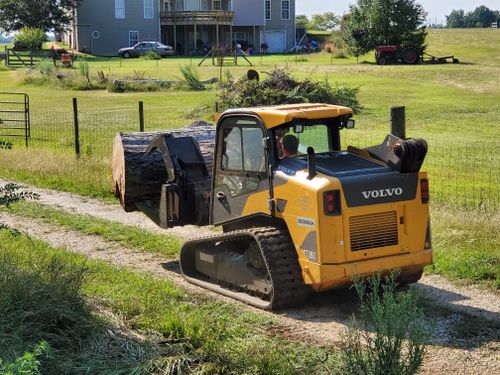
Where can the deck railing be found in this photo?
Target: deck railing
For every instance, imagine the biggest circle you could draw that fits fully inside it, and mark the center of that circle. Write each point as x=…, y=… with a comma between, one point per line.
x=203, y=18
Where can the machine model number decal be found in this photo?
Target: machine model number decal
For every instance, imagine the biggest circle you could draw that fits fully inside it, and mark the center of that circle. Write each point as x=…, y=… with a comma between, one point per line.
x=382, y=193
x=306, y=222
x=311, y=255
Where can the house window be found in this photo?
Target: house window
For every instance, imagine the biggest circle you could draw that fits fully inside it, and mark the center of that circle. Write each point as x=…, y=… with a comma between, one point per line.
x=268, y=10
x=120, y=9
x=217, y=5
x=133, y=38
x=285, y=9
x=169, y=5
x=192, y=5
x=148, y=10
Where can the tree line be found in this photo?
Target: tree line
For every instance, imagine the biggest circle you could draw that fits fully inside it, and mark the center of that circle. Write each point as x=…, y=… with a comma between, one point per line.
x=482, y=16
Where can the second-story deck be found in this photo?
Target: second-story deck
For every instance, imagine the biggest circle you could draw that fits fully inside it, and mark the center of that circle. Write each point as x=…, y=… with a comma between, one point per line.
x=209, y=17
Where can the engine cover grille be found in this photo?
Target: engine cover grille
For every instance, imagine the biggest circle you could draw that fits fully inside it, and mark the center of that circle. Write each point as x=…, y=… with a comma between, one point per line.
x=373, y=230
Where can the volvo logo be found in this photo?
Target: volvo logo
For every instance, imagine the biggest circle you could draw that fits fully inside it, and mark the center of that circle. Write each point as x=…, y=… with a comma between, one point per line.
x=382, y=193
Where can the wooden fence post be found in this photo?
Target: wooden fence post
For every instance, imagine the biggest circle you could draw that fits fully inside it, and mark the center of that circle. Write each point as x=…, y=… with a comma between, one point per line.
x=76, y=126
x=398, y=122
x=141, y=117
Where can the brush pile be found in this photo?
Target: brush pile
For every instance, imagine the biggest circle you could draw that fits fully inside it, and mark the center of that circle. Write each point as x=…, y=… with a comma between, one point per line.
x=279, y=87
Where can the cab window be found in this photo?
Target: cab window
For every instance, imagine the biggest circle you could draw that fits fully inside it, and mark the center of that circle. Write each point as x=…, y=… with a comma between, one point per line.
x=243, y=148
x=242, y=157
x=316, y=136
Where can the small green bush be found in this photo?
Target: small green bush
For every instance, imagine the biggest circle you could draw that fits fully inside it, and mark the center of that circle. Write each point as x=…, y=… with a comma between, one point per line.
x=46, y=67
x=392, y=336
x=152, y=55
x=27, y=364
x=340, y=54
x=30, y=38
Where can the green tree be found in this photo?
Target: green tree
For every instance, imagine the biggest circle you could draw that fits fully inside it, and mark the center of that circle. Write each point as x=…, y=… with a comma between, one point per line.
x=376, y=22
x=482, y=16
x=324, y=21
x=48, y=15
x=302, y=21
x=456, y=19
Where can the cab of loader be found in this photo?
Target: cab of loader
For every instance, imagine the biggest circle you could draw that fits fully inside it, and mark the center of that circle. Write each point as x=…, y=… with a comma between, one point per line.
x=249, y=150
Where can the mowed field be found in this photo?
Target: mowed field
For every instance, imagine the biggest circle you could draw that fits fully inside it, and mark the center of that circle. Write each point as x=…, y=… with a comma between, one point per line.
x=454, y=106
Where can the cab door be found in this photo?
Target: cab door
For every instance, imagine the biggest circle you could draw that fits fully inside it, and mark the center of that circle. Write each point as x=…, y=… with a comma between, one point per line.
x=240, y=167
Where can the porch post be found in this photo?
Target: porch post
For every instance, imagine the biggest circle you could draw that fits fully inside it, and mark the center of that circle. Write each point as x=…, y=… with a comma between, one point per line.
x=195, y=39
x=175, y=38
x=254, y=38
x=231, y=37
x=217, y=34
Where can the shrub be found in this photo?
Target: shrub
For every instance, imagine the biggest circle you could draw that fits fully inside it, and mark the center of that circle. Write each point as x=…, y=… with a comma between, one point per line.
x=392, y=336
x=281, y=88
x=28, y=363
x=30, y=38
x=45, y=67
x=339, y=54
x=191, y=77
x=152, y=55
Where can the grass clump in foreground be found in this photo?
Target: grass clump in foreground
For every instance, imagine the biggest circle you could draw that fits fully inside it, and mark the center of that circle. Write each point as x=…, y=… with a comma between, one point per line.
x=392, y=335
x=99, y=319
x=41, y=299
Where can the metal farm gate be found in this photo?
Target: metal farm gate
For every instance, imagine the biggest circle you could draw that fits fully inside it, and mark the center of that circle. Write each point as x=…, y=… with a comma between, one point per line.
x=15, y=115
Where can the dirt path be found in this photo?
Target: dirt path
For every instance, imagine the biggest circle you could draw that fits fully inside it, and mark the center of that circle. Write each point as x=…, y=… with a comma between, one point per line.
x=477, y=351
x=113, y=212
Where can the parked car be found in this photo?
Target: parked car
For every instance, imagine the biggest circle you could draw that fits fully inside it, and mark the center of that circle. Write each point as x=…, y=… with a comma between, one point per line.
x=142, y=48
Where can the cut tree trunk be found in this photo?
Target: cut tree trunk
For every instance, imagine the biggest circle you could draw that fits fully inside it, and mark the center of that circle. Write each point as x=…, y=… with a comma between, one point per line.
x=138, y=176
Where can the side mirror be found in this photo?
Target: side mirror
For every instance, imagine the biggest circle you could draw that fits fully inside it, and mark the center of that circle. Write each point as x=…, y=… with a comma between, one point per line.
x=350, y=124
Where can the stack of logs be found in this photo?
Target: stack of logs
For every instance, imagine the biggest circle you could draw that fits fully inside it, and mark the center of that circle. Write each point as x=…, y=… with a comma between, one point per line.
x=138, y=176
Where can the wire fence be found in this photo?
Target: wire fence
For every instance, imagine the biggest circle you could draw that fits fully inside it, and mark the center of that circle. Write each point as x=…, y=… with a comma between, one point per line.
x=465, y=174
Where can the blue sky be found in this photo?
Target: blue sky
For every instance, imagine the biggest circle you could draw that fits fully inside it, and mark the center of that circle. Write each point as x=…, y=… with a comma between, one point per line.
x=437, y=9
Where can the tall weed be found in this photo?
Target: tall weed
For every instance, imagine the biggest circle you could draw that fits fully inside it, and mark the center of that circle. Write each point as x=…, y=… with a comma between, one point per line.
x=84, y=69
x=391, y=337
x=191, y=77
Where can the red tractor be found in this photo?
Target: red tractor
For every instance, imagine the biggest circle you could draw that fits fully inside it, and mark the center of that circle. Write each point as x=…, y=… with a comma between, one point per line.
x=395, y=54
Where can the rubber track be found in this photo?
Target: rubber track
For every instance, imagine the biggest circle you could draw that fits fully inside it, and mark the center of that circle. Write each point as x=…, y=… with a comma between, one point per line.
x=279, y=254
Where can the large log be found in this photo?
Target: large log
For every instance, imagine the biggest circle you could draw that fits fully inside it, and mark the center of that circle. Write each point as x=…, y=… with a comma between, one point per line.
x=138, y=176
